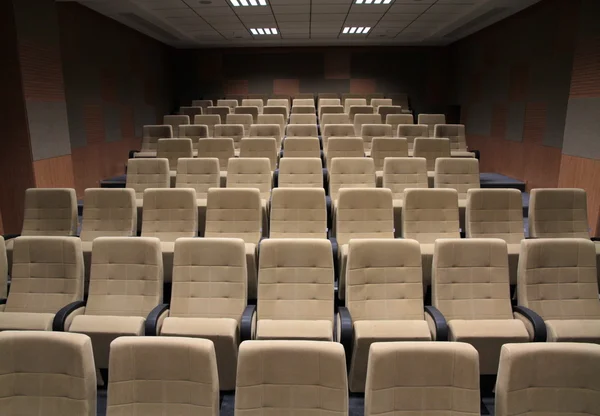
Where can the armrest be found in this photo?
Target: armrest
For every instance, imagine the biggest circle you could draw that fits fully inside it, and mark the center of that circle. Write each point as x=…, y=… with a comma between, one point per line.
x=329, y=213
x=153, y=319
x=441, y=326
x=2, y=301
x=595, y=238
x=132, y=153
x=346, y=333
x=539, y=327
x=477, y=154
x=280, y=153
x=246, y=323
x=276, y=178
x=10, y=236
x=325, y=179
x=60, y=319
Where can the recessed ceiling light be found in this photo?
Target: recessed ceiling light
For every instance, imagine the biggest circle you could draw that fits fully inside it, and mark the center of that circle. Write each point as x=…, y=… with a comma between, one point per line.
x=237, y=3
x=353, y=30
x=264, y=31
x=373, y=1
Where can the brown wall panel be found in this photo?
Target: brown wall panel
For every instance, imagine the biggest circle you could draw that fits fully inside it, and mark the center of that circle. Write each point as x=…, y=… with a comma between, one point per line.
x=363, y=86
x=578, y=172
x=56, y=172
x=535, y=123
x=235, y=86
x=42, y=71
x=286, y=86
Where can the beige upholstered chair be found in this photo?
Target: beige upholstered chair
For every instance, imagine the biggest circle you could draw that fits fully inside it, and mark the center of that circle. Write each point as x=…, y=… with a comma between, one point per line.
x=209, y=297
x=344, y=147
x=334, y=118
x=254, y=102
x=411, y=132
x=346, y=96
x=336, y=130
x=261, y=147
x=396, y=120
x=363, y=110
x=377, y=102
x=557, y=280
x=237, y=213
x=548, y=379
x=138, y=384
x=429, y=214
x=202, y=103
x=350, y=172
x=295, y=290
x=280, y=110
x=303, y=101
x=143, y=174
x=298, y=213
x=497, y=213
x=431, y=149
x=303, y=119
x=46, y=276
x=304, y=377
x=299, y=172
x=392, y=387
x=150, y=136
x=349, y=102
x=470, y=287
x=47, y=373
x=245, y=120
x=304, y=109
x=191, y=111
x=234, y=131
x=227, y=103
x=175, y=121
x=172, y=150
x=431, y=120
x=304, y=147
x=386, y=147
x=330, y=109
x=385, y=110
x=221, y=148
x=267, y=131
x=368, y=131
x=384, y=299
x=278, y=102
x=329, y=102
x=252, y=110
x=126, y=285
x=221, y=111
x=456, y=134
x=210, y=121
x=3, y=271
x=270, y=119
x=194, y=132
x=302, y=130
x=200, y=174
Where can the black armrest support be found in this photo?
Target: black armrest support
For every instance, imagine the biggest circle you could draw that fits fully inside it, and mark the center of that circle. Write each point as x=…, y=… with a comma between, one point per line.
x=10, y=236
x=539, y=327
x=276, y=178
x=346, y=333
x=477, y=154
x=595, y=239
x=441, y=326
x=58, y=324
x=2, y=301
x=151, y=326
x=132, y=153
x=246, y=323
x=329, y=212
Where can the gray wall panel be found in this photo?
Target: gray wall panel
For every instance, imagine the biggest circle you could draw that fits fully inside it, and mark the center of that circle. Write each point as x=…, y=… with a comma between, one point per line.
x=582, y=132
x=515, y=121
x=112, y=122
x=479, y=119
x=48, y=129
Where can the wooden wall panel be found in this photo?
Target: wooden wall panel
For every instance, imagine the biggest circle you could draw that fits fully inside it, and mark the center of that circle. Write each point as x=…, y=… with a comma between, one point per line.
x=236, y=86
x=363, y=86
x=56, y=172
x=286, y=86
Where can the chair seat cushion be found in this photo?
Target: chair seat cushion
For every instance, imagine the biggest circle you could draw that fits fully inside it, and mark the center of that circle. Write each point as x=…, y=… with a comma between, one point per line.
x=292, y=329
x=200, y=327
x=26, y=321
x=461, y=153
x=146, y=153
x=574, y=330
x=99, y=324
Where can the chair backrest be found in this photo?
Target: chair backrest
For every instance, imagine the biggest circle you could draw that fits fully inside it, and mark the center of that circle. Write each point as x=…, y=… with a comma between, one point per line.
x=337, y=130
x=303, y=109
x=50, y=211
x=376, y=102
x=209, y=120
x=303, y=119
x=234, y=213
x=278, y=102
x=194, y=132
x=334, y=118
x=200, y=174
x=374, y=95
x=108, y=213
x=431, y=149
x=302, y=130
x=202, y=103
x=368, y=131
x=390, y=374
x=344, y=147
x=262, y=97
x=192, y=369
x=362, y=119
x=557, y=278
x=384, y=147
x=303, y=101
x=295, y=279
x=300, y=172
x=555, y=378
x=220, y=148
x=227, y=103
x=151, y=134
x=558, y=213
x=411, y=132
x=235, y=131
x=173, y=149
x=209, y=278
x=236, y=97
x=175, y=121
x=271, y=119
x=350, y=172
x=252, y=102
x=364, y=213
x=250, y=172
x=324, y=102
x=50, y=373
x=454, y=132
x=191, y=111
x=349, y=102
x=267, y=130
x=384, y=280
x=170, y=213
x=280, y=110
x=262, y=147
x=396, y=120
x=312, y=370
x=429, y=214
x=431, y=120
x=298, y=213
x=245, y=120
x=357, y=110
x=495, y=213
x=3, y=269
x=304, y=96
x=147, y=173
x=400, y=173
x=470, y=279
x=458, y=173
x=301, y=147
x=385, y=110
x=221, y=111
x=330, y=109
x=346, y=96
x=126, y=277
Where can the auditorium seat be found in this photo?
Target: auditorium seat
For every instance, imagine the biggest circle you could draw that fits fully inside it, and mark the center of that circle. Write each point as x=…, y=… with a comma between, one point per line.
x=150, y=136
x=431, y=149
x=295, y=290
x=46, y=283
x=349, y=102
x=175, y=121
x=245, y=120
x=411, y=132
x=209, y=297
x=350, y=172
x=374, y=95
x=548, y=379
x=261, y=97
x=262, y=147
x=310, y=102
x=334, y=118
x=325, y=95
x=336, y=130
x=221, y=111
x=497, y=213
x=210, y=121
x=194, y=132
x=325, y=102
x=362, y=119
x=202, y=103
x=279, y=110
x=143, y=174
x=330, y=109
x=301, y=147
x=376, y=102
x=384, y=147
x=298, y=213
x=347, y=147
x=456, y=134
x=234, y=131
x=191, y=111
x=237, y=213
x=227, y=103
x=399, y=174
x=47, y=373
x=422, y=378
x=172, y=150
x=140, y=384
x=279, y=102
x=557, y=280
x=384, y=300
x=200, y=174
x=429, y=214
x=268, y=130
x=303, y=109
x=356, y=110
x=302, y=130
x=385, y=110
x=3, y=274
x=303, y=378
x=303, y=119
x=125, y=297
x=220, y=148
x=346, y=96
x=254, y=102
x=368, y=131
x=271, y=119
x=236, y=97
x=396, y=120
x=431, y=120
x=300, y=172
x=252, y=110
